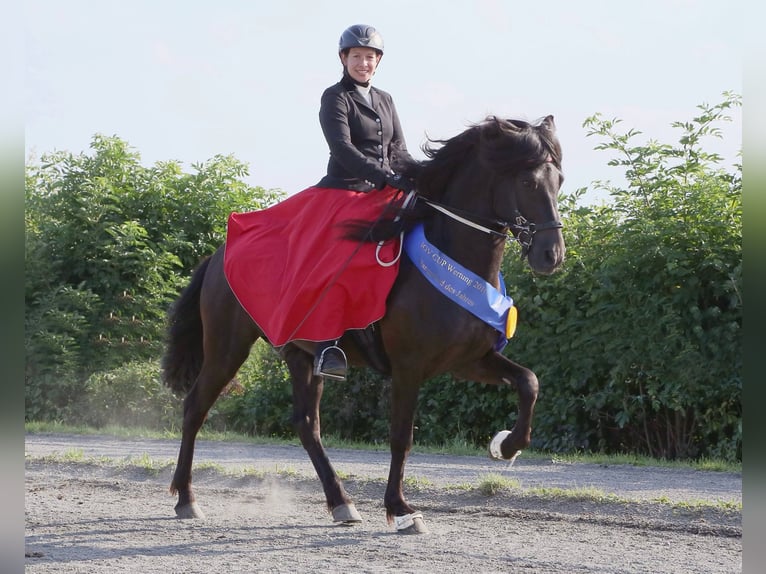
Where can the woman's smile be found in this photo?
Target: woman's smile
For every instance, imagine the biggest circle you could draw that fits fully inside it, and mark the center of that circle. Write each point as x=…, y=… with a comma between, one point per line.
x=361, y=63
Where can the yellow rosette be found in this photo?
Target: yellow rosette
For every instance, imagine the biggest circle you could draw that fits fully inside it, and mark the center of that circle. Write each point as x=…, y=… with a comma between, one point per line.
x=510, y=322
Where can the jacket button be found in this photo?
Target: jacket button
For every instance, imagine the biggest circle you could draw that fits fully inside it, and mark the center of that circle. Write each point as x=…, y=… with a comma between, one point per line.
x=380, y=133
x=377, y=120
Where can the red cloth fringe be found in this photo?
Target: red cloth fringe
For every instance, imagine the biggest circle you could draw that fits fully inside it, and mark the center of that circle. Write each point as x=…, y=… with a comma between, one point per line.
x=297, y=277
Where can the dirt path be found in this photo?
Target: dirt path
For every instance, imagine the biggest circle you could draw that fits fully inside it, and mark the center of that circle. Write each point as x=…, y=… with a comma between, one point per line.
x=111, y=512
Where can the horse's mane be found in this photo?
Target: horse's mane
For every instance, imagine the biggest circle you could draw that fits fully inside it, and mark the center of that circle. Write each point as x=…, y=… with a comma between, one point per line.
x=500, y=145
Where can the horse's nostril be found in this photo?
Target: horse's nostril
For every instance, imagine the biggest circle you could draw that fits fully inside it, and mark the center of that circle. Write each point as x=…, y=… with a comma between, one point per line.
x=553, y=256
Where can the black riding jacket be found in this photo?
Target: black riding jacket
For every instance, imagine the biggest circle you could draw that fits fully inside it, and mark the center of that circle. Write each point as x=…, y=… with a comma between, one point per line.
x=361, y=137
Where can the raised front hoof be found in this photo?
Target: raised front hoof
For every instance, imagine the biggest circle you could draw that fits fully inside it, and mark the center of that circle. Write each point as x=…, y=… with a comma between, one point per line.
x=495, y=447
x=410, y=524
x=191, y=510
x=346, y=514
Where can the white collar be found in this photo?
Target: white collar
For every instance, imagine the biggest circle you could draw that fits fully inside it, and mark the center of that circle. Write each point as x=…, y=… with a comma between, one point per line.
x=365, y=92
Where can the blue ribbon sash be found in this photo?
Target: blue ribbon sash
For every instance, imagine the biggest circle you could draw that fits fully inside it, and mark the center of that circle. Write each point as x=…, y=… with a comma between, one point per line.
x=462, y=285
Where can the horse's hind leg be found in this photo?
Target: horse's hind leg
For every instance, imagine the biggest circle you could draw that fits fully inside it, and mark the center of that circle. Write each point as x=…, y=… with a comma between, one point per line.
x=228, y=336
x=307, y=394
x=197, y=403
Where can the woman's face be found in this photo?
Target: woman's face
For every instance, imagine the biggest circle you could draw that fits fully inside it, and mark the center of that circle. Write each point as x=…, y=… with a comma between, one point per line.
x=361, y=63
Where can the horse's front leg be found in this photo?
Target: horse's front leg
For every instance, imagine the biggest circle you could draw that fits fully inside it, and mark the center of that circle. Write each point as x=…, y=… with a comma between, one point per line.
x=307, y=394
x=404, y=396
x=495, y=369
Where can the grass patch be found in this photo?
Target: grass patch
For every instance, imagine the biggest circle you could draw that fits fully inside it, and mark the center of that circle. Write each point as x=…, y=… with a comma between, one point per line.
x=585, y=494
x=456, y=447
x=69, y=456
x=286, y=471
x=249, y=472
x=343, y=475
x=417, y=483
x=333, y=441
x=460, y=487
x=725, y=505
x=211, y=466
x=37, y=427
x=490, y=484
x=143, y=462
x=639, y=460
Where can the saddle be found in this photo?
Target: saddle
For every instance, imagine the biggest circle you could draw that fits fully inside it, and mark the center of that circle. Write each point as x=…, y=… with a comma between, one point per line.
x=370, y=345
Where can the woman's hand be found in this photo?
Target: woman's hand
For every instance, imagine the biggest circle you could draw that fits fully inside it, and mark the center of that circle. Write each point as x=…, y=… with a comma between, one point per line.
x=400, y=182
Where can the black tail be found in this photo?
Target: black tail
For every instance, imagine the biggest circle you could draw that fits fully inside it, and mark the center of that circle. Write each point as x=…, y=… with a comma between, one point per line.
x=183, y=356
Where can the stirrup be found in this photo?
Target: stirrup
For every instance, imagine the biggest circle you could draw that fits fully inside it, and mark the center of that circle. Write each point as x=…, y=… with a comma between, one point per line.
x=319, y=365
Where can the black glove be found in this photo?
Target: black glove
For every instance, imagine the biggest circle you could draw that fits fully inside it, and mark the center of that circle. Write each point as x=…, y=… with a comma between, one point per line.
x=400, y=182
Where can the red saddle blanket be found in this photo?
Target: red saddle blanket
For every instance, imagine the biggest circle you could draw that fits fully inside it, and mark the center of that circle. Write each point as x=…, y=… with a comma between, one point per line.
x=297, y=276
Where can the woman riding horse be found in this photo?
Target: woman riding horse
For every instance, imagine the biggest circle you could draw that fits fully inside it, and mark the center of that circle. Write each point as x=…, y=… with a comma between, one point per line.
x=281, y=277
x=362, y=129
x=497, y=178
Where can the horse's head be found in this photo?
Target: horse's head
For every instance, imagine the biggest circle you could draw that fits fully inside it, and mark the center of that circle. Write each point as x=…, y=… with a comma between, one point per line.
x=524, y=161
x=499, y=176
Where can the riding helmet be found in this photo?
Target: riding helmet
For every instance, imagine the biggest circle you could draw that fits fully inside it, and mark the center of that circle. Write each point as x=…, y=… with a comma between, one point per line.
x=361, y=36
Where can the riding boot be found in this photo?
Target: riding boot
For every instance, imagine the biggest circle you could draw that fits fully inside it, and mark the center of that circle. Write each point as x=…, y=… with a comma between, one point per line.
x=330, y=361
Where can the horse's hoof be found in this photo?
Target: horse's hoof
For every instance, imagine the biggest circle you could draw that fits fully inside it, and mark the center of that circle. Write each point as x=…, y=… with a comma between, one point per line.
x=494, y=445
x=410, y=524
x=191, y=510
x=346, y=513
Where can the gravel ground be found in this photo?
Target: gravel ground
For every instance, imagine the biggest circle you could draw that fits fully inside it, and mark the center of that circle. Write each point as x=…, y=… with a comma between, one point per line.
x=93, y=504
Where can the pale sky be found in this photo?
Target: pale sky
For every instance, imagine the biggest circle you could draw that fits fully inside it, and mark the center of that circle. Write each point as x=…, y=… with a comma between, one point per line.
x=186, y=79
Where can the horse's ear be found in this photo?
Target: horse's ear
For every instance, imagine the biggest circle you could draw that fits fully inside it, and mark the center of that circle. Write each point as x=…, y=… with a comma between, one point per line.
x=548, y=124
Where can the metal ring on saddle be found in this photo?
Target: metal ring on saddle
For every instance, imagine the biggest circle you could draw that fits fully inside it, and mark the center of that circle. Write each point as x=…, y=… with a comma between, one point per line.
x=411, y=197
x=395, y=259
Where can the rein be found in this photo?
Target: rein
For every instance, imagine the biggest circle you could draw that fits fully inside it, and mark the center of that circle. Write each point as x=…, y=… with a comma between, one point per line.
x=525, y=229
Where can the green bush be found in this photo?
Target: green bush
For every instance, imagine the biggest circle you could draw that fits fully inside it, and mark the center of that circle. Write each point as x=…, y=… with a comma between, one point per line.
x=109, y=244
x=131, y=395
x=259, y=400
x=637, y=342
x=450, y=409
x=358, y=408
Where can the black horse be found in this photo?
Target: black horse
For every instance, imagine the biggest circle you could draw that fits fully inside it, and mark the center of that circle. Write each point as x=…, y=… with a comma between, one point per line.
x=497, y=179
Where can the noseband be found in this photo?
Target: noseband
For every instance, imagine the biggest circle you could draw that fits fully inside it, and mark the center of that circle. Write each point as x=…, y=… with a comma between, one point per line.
x=524, y=229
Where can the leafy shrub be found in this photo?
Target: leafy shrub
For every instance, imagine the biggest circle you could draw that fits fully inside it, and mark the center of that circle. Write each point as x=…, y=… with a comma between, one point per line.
x=131, y=395
x=358, y=408
x=259, y=400
x=637, y=342
x=109, y=243
x=450, y=409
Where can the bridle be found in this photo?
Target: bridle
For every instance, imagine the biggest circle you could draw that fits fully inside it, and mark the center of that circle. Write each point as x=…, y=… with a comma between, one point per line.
x=520, y=230
x=523, y=229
